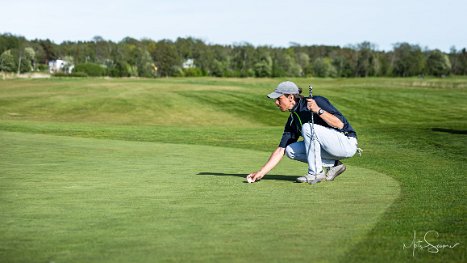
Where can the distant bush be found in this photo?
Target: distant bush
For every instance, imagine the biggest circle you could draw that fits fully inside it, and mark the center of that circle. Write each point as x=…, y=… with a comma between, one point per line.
x=74, y=74
x=120, y=69
x=192, y=72
x=90, y=69
x=176, y=71
x=43, y=67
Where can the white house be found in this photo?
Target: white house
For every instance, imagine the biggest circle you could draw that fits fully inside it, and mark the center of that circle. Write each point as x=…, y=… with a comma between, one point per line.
x=189, y=63
x=59, y=65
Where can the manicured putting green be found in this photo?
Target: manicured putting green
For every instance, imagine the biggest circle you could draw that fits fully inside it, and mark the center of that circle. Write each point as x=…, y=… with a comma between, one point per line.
x=67, y=199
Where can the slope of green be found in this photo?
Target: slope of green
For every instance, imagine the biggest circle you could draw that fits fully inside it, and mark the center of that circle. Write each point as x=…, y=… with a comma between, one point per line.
x=68, y=199
x=413, y=130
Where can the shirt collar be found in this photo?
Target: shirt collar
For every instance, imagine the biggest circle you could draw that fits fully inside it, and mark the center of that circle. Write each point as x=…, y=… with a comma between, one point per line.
x=296, y=105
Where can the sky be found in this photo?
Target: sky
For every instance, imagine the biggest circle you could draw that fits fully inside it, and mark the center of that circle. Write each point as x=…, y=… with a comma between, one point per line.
x=430, y=24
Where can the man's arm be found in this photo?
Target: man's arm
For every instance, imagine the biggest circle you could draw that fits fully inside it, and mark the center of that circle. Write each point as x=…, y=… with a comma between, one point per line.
x=332, y=120
x=273, y=160
x=329, y=118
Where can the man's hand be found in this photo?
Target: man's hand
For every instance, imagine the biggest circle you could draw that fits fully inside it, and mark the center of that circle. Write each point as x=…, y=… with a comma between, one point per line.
x=254, y=177
x=311, y=105
x=273, y=160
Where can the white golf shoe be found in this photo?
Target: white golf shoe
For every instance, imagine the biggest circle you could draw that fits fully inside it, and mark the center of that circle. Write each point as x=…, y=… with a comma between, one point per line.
x=335, y=171
x=311, y=178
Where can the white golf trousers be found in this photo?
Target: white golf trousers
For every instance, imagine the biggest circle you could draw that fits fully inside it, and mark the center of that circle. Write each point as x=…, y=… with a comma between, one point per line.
x=327, y=146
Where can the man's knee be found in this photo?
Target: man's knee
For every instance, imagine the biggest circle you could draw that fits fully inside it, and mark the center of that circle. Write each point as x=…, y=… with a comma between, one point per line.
x=306, y=128
x=289, y=152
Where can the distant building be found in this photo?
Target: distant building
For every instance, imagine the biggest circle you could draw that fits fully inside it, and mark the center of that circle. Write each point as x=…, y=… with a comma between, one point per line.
x=56, y=66
x=189, y=63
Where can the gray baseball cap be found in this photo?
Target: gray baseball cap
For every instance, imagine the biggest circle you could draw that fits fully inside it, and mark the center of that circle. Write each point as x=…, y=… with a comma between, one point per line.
x=286, y=87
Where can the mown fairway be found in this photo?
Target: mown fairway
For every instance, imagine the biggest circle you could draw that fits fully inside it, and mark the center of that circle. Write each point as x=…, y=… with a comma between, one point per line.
x=96, y=170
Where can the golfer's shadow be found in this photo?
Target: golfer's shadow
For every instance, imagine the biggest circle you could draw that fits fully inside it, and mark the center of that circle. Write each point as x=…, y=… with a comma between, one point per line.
x=268, y=177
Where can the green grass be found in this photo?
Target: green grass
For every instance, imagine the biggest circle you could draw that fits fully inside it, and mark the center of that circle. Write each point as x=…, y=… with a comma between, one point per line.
x=117, y=201
x=97, y=170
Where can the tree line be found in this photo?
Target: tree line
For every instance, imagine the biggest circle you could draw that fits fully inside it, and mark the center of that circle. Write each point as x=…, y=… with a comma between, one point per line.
x=193, y=57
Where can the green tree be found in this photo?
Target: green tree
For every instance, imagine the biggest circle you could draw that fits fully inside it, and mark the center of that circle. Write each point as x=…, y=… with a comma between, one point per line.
x=384, y=62
x=119, y=68
x=188, y=47
x=30, y=58
x=204, y=58
x=220, y=67
x=24, y=61
x=263, y=66
x=438, y=64
x=294, y=69
x=10, y=42
x=458, y=61
x=284, y=64
x=344, y=61
x=408, y=60
x=243, y=60
x=303, y=60
x=367, y=62
x=131, y=57
x=49, y=49
x=7, y=62
x=102, y=49
x=167, y=59
x=145, y=64
x=202, y=55
x=323, y=67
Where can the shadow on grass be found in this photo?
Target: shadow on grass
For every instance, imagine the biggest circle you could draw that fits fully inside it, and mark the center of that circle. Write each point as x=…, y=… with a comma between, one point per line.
x=268, y=177
x=452, y=131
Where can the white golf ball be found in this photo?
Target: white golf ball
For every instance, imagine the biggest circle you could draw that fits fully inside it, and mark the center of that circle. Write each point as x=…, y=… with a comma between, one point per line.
x=249, y=179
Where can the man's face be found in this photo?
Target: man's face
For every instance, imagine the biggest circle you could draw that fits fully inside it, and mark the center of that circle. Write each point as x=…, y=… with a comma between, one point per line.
x=285, y=102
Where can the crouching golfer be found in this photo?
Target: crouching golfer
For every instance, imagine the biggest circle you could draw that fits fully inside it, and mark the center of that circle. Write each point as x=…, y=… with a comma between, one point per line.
x=324, y=144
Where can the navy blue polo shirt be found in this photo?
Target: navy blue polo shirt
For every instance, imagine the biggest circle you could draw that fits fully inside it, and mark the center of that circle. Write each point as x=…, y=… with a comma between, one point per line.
x=300, y=115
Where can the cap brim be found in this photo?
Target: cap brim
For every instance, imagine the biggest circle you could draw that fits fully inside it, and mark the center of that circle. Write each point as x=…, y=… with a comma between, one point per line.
x=274, y=95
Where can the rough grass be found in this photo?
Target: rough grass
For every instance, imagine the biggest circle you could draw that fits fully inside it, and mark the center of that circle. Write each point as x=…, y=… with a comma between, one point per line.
x=413, y=130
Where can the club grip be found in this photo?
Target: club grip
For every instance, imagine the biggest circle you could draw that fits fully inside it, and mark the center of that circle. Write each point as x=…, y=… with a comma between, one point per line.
x=310, y=89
